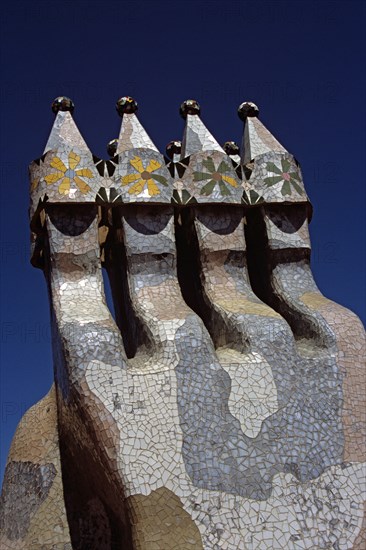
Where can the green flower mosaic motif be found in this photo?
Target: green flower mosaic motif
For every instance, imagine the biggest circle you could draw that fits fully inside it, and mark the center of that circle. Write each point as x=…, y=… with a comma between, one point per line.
x=216, y=176
x=290, y=179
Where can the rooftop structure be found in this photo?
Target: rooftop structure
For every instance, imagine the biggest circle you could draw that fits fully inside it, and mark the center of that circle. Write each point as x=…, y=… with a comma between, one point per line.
x=223, y=407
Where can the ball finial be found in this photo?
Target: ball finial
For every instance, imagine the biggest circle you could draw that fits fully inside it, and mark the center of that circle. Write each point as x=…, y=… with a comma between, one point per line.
x=231, y=148
x=189, y=107
x=247, y=109
x=126, y=104
x=173, y=148
x=62, y=103
x=112, y=148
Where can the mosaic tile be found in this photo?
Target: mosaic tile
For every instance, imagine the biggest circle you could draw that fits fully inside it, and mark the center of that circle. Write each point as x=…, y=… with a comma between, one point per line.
x=224, y=406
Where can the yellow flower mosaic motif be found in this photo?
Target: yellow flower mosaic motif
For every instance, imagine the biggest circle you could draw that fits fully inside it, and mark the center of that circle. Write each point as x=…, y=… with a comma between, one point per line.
x=69, y=174
x=144, y=177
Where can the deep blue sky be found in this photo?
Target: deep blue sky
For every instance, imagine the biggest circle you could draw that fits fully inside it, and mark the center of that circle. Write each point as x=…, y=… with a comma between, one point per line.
x=299, y=61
